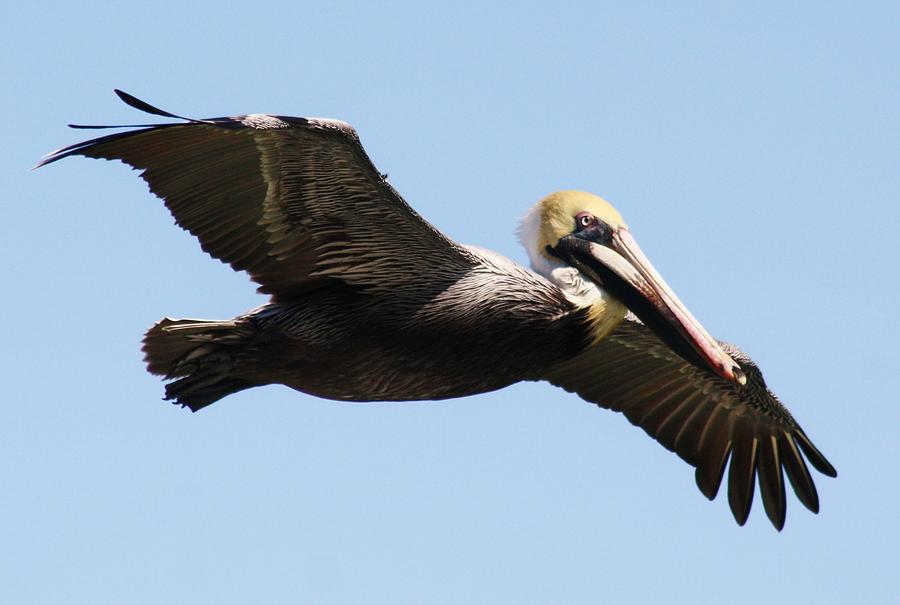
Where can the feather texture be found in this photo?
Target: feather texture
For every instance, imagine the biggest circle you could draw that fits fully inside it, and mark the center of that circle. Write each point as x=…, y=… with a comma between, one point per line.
x=707, y=421
x=295, y=202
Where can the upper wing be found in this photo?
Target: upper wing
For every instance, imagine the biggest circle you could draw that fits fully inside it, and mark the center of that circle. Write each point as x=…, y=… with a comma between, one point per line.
x=701, y=417
x=295, y=202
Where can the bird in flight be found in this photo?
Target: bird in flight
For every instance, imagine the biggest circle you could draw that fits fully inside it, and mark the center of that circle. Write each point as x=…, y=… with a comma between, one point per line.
x=369, y=302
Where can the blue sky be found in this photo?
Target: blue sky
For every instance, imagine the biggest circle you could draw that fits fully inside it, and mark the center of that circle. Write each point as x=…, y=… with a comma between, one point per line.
x=752, y=150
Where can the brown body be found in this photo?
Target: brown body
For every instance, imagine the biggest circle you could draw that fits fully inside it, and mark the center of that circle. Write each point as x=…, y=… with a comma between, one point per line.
x=345, y=343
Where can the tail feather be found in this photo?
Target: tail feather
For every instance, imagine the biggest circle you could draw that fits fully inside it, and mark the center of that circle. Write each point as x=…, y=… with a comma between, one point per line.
x=200, y=354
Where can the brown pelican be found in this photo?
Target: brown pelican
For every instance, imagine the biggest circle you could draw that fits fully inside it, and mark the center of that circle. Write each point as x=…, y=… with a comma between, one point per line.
x=369, y=302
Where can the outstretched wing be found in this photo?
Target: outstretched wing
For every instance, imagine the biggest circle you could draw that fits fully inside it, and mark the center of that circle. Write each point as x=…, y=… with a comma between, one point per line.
x=295, y=202
x=701, y=417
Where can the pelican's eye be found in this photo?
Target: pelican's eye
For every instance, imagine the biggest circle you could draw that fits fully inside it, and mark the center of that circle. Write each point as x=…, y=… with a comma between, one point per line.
x=584, y=220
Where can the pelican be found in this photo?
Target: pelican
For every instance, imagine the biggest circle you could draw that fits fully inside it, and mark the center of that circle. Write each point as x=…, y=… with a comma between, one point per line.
x=369, y=302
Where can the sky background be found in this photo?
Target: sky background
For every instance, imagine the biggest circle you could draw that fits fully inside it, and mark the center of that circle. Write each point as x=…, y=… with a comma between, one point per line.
x=752, y=150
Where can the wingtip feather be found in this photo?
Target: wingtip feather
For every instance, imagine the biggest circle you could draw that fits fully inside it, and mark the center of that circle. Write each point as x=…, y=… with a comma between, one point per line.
x=133, y=101
x=798, y=474
x=771, y=482
x=709, y=473
x=816, y=458
x=742, y=478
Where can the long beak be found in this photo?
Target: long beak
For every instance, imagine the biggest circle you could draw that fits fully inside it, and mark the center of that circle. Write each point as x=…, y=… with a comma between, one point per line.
x=620, y=267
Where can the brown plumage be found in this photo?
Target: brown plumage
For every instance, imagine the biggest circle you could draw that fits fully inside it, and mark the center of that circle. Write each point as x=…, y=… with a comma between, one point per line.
x=370, y=302
x=700, y=417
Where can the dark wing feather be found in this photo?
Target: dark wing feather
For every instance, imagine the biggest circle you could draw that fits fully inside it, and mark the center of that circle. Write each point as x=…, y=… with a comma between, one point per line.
x=704, y=419
x=295, y=202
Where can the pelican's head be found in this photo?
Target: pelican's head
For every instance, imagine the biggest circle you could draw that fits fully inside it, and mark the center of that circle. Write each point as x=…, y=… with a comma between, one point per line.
x=580, y=242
